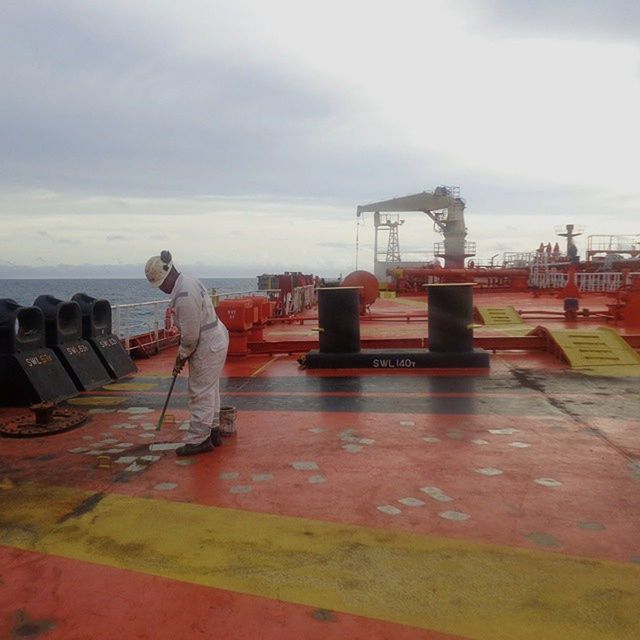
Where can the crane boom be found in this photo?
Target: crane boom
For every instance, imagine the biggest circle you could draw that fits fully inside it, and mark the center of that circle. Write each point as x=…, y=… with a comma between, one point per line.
x=451, y=224
x=424, y=201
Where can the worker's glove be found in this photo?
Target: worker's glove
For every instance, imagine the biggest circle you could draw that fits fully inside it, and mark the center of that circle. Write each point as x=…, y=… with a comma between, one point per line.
x=177, y=367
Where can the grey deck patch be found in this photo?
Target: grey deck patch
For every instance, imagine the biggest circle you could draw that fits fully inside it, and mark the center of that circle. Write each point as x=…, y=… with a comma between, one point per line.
x=305, y=465
x=262, y=477
x=389, y=509
x=353, y=448
x=135, y=467
x=436, y=494
x=547, y=482
x=591, y=526
x=411, y=502
x=165, y=486
x=240, y=488
x=458, y=516
x=431, y=439
x=229, y=475
x=489, y=471
x=317, y=479
x=164, y=446
x=543, y=539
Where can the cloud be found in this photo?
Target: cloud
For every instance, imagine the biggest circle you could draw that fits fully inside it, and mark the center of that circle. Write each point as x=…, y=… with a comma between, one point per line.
x=250, y=131
x=609, y=20
x=91, y=103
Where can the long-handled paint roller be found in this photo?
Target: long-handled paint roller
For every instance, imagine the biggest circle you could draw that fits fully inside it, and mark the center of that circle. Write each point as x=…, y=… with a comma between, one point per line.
x=166, y=402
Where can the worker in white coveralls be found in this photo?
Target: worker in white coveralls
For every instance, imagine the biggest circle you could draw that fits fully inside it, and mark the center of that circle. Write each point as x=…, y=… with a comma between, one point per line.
x=203, y=344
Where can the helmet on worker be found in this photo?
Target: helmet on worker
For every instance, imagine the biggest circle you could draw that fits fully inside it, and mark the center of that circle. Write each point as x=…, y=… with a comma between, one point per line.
x=158, y=268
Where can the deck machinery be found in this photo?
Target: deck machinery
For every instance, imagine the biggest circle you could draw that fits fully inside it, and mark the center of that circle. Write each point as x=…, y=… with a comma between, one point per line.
x=444, y=206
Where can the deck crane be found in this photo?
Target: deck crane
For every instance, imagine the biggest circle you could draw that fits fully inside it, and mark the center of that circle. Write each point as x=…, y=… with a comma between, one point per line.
x=444, y=206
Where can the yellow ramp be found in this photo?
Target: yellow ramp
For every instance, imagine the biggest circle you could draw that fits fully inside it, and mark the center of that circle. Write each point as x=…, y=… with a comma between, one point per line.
x=602, y=350
x=503, y=320
x=495, y=316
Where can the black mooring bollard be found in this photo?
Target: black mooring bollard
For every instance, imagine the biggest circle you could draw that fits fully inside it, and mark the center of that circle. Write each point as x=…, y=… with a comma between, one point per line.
x=450, y=309
x=63, y=331
x=339, y=319
x=96, y=329
x=30, y=372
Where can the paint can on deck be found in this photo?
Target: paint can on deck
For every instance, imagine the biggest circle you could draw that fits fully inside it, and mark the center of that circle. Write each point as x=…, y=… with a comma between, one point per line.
x=228, y=421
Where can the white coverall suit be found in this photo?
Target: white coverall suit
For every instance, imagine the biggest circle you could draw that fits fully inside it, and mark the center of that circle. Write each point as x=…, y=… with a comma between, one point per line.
x=203, y=341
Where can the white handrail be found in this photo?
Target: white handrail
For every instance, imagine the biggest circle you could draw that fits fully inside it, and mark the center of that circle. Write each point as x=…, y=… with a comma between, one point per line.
x=123, y=324
x=594, y=282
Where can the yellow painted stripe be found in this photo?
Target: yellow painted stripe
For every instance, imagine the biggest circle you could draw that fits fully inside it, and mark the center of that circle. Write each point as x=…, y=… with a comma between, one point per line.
x=96, y=401
x=263, y=367
x=130, y=386
x=480, y=591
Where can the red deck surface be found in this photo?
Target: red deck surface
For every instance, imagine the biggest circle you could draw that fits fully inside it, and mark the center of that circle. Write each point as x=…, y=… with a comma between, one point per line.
x=539, y=463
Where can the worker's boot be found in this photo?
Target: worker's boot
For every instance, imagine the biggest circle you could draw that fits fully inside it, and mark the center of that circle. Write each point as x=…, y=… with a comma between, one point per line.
x=216, y=438
x=190, y=449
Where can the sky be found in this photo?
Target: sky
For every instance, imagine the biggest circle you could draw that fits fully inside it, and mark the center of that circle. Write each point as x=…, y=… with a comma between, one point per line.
x=242, y=135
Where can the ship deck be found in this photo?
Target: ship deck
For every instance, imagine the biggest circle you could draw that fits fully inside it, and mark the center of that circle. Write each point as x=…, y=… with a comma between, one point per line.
x=440, y=505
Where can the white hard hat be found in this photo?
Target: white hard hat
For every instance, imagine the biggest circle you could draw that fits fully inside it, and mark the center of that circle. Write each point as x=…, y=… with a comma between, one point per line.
x=158, y=268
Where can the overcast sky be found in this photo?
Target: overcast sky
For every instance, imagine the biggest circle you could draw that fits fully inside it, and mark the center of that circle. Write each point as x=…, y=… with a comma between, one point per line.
x=242, y=135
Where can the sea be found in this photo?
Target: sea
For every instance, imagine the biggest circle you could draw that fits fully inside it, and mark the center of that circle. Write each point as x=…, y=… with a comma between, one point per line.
x=117, y=291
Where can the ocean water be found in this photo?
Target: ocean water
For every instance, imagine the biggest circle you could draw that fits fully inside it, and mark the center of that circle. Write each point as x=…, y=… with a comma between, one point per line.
x=116, y=291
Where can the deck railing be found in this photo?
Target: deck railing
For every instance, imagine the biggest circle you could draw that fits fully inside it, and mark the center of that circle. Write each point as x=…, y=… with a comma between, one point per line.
x=587, y=282
x=148, y=317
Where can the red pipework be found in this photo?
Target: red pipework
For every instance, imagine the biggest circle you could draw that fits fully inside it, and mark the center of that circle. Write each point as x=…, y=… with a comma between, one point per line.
x=411, y=279
x=423, y=272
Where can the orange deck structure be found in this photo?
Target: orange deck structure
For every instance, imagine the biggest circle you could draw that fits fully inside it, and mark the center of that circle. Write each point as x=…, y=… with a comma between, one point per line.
x=501, y=504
